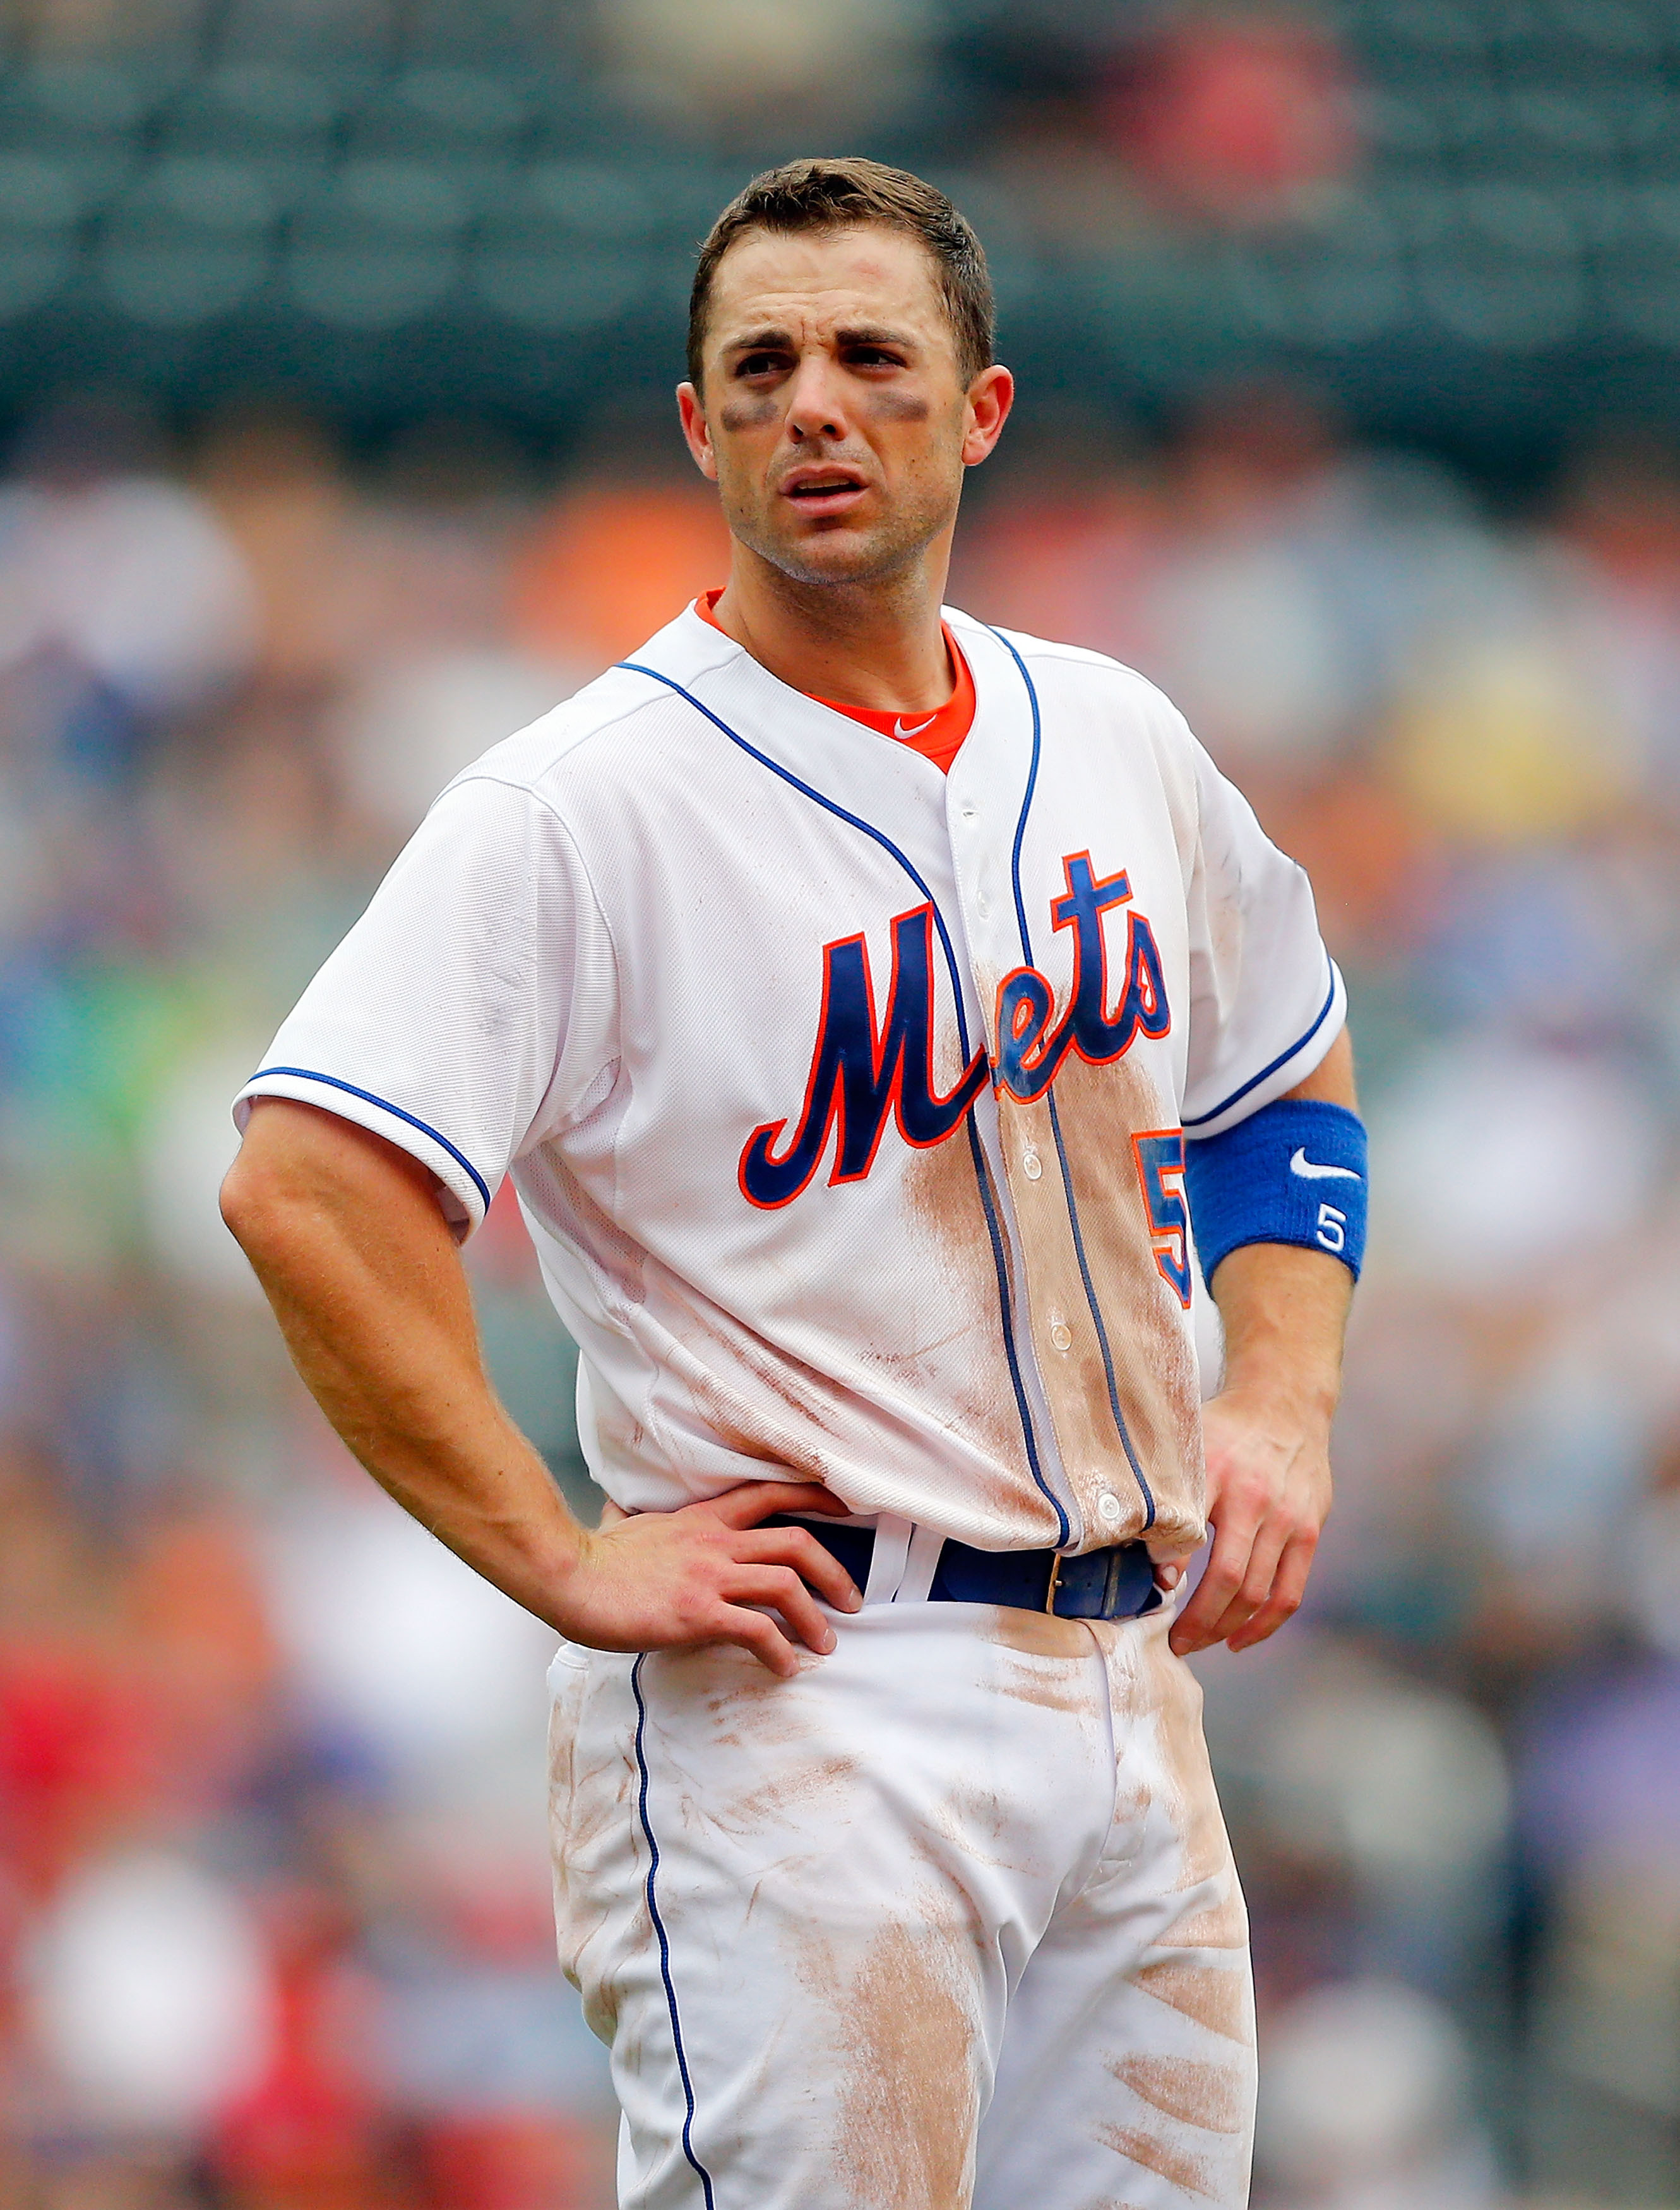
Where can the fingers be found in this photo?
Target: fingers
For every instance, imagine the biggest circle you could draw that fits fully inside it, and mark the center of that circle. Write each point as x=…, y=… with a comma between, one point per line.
x=792, y=1546
x=1233, y=1545
x=756, y=1499
x=1258, y=1574
x=780, y=1589
x=1288, y=1586
x=759, y=1634
x=683, y=1580
x=1254, y=1581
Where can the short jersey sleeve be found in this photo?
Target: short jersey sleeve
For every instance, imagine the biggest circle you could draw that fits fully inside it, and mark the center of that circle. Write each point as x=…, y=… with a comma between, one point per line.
x=1266, y=1001
x=470, y=1012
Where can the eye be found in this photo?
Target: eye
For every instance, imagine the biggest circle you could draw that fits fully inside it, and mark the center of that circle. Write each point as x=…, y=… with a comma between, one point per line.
x=869, y=356
x=759, y=363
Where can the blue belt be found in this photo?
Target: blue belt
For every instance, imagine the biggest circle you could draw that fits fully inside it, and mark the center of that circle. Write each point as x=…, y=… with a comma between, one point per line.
x=1118, y=1583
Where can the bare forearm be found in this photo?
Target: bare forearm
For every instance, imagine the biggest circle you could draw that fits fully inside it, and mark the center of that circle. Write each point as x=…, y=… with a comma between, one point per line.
x=347, y=1237
x=383, y=1337
x=1284, y=1311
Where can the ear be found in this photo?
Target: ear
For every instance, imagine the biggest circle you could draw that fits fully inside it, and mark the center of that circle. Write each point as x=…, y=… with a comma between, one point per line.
x=990, y=397
x=697, y=431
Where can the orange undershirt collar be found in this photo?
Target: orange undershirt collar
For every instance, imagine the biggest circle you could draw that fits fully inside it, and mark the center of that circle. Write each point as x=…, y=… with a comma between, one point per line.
x=937, y=736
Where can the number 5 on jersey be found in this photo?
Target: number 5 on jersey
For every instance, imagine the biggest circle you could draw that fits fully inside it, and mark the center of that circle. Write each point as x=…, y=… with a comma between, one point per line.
x=1160, y=1157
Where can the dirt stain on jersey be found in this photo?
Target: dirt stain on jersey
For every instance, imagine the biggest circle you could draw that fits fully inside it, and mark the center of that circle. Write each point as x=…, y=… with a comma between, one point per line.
x=1156, y=1375
x=946, y=1216
x=1212, y=2096
x=759, y=1435
x=1189, y=2174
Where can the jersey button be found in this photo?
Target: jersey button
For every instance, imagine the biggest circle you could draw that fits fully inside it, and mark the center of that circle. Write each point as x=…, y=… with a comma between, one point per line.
x=1031, y=1165
x=1062, y=1336
x=970, y=813
x=1108, y=1509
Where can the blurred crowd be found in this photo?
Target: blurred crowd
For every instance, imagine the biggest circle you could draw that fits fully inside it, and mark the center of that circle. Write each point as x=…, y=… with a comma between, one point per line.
x=273, y=1915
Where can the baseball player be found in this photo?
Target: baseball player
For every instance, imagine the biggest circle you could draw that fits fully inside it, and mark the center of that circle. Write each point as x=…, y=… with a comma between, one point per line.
x=862, y=1000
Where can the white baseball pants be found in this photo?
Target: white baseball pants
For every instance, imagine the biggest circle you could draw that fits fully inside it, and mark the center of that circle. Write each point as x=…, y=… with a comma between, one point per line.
x=948, y=1920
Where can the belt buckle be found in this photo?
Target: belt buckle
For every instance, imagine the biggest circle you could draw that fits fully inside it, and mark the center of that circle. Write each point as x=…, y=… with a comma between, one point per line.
x=1055, y=1581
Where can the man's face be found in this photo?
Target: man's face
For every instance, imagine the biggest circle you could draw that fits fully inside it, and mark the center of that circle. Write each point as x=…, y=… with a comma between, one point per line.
x=834, y=419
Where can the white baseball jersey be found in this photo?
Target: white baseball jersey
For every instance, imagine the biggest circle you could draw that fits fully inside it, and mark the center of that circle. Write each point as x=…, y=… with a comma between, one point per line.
x=844, y=1098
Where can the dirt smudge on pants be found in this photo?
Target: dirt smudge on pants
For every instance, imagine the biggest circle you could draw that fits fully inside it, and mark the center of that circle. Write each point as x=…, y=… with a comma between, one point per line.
x=1041, y=1633
x=1051, y=1692
x=791, y=1794
x=1173, y=1694
x=1212, y=2095
x=1215, y=1996
x=909, y=2102
x=1188, y=2173
x=1222, y=1925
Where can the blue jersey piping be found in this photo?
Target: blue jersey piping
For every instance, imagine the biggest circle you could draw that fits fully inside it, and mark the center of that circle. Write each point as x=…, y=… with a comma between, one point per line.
x=332, y=1082
x=1006, y=1303
x=999, y=1251
x=1121, y=1427
x=1282, y=1058
x=701, y=2173
x=829, y=806
x=1092, y=1300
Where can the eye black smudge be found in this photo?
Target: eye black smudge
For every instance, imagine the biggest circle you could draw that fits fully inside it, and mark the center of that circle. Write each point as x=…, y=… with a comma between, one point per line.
x=900, y=406
x=744, y=413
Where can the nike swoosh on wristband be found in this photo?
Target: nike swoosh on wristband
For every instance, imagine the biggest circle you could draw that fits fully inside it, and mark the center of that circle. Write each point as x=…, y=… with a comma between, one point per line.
x=899, y=730
x=1309, y=1170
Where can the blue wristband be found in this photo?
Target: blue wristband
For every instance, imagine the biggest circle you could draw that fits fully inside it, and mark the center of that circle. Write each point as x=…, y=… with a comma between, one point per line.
x=1295, y=1172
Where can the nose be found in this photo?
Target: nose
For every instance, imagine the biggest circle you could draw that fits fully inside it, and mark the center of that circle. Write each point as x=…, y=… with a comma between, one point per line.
x=814, y=401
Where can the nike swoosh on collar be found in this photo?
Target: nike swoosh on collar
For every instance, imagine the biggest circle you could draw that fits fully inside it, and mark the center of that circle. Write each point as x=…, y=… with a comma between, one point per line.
x=1309, y=1170
x=899, y=730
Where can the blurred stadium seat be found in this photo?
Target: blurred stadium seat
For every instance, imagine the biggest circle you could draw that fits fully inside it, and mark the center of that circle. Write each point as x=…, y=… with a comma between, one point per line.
x=1515, y=147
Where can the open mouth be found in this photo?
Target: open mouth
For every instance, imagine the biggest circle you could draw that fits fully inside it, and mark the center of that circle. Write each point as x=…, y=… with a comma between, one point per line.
x=824, y=491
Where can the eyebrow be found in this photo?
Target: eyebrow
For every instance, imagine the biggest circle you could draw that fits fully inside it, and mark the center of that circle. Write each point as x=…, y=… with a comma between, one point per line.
x=776, y=340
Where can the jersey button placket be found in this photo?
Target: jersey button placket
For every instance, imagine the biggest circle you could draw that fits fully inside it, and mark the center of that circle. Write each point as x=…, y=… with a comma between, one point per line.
x=982, y=871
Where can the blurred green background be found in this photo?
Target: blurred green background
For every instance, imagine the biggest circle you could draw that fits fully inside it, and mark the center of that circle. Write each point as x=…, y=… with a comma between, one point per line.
x=336, y=343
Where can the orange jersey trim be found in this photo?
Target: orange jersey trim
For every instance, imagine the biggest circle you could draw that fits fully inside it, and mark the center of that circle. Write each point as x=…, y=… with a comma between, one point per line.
x=937, y=736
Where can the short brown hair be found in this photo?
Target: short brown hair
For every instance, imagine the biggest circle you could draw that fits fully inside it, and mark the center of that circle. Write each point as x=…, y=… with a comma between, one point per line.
x=838, y=195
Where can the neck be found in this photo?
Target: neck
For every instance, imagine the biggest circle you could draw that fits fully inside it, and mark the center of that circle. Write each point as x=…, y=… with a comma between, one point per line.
x=877, y=644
